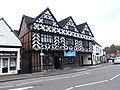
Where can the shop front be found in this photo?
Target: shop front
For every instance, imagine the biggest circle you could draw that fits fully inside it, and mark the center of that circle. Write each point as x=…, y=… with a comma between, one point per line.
x=68, y=59
x=56, y=60
x=9, y=62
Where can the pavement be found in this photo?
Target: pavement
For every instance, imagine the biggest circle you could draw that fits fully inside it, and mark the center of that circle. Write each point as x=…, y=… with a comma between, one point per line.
x=49, y=73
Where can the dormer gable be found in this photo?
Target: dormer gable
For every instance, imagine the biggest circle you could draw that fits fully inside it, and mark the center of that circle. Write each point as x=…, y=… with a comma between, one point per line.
x=84, y=29
x=68, y=23
x=46, y=18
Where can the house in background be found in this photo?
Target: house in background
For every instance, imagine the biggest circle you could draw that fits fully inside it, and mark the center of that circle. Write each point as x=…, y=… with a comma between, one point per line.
x=97, y=53
x=49, y=44
x=9, y=50
x=113, y=52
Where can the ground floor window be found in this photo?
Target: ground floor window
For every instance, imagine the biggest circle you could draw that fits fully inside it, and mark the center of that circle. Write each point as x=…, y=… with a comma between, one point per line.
x=12, y=63
x=8, y=64
x=48, y=62
x=70, y=62
x=4, y=65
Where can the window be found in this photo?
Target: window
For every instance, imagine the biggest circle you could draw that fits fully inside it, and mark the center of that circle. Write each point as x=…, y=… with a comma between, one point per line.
x=47, y=21
x=86, y=32
x=4, y=65
x=42, y=38
x=71, y=27
x=46, y=38
x=12, y=63
x=85, y=44
x=48, y=60
x=69, y=41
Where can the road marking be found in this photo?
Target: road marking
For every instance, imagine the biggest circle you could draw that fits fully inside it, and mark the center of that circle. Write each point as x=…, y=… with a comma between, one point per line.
x=91, y=83
x=88, y=84
x=57, y=78
x=69, y=88
x=76, y=75
x=24, y=88
x=114, y=77
x=6, y=86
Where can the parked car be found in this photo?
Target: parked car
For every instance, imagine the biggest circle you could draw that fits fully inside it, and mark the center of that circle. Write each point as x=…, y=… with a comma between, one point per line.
x=110, y=59
x=117, y=60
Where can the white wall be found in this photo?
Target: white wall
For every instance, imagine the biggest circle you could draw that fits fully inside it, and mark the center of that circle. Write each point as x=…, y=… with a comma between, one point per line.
x=96, y=49
x=7, y=37
x=85, y=59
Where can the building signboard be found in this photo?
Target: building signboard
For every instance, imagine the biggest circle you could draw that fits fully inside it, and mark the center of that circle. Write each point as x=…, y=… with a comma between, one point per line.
x=70, y=54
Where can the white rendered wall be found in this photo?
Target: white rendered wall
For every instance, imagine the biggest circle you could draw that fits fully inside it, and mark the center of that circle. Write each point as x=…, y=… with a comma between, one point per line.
x=7, y=37
x=86, y=61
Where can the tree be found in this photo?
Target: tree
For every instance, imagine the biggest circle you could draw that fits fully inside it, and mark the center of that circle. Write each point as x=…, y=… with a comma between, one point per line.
x=113, y=46
x=107, y=48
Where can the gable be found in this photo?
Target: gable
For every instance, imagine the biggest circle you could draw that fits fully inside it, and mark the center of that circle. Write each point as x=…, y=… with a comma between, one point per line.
x=84, y=29
x=24, y=26
x=47, y=18
x=69, y=24
x=7, y=37
x=87, y=31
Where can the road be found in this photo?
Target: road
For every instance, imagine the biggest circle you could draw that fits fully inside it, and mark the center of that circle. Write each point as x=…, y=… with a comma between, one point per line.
x=103, y=78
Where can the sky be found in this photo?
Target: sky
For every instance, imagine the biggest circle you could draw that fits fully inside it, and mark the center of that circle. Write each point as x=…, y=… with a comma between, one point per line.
x=102, y=16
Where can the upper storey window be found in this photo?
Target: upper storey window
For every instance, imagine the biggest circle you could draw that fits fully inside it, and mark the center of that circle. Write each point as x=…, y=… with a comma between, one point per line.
x=71, y=27
x=69, y=41
x=46, y=38
x=85, y=44
x=47, y=21
x=86, y=32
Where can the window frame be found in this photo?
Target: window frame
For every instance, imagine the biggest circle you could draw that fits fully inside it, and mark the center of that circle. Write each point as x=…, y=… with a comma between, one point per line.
x=86, y=32
x=70, y=41
x=47, y=21
x=85, y=44
x=46, y=38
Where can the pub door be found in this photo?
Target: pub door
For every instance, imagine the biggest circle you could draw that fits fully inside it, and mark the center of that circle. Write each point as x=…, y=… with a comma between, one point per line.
x=56, y=63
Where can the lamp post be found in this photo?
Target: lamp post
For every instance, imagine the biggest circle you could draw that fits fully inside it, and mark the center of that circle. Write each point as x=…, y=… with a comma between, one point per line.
x=41, y=54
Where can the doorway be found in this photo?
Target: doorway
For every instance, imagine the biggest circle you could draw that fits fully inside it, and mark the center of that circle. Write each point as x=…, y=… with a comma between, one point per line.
x=82, y=60
x=56, y=63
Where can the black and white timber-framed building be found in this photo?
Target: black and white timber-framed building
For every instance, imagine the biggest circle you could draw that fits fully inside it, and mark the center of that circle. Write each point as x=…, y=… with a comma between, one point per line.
x=63, y=44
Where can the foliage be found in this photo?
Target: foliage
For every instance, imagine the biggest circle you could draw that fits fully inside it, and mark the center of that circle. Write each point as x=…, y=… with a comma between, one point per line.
x=113, y=46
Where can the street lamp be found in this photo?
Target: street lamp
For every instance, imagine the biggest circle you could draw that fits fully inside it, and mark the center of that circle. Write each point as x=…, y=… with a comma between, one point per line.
x=41, y=54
